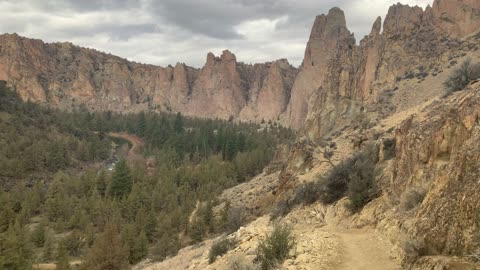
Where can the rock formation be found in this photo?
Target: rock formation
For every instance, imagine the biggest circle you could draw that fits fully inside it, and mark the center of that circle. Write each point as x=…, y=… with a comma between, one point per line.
x=66, y=76
x=337, y=81
x=352, y=77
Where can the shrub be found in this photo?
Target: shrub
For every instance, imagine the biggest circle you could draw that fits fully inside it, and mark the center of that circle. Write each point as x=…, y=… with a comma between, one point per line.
x=235, y=219
x=361, y=187
x=221, y=247
x=328, y=189
x=281, y=209
x=239, y=262
x=389, y=148
x=354, y=177
x=462, y=76
x=274, y=249
x=412, y=197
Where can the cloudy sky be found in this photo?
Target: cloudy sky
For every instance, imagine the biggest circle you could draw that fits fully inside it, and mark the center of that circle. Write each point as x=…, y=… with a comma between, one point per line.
x=168, y=31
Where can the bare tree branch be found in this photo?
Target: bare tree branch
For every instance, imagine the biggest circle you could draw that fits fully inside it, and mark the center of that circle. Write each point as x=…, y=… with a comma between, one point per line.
x=322, y=151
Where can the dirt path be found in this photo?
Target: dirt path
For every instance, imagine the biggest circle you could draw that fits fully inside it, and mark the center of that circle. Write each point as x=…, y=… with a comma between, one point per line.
x=133, y=139
x=363, y=250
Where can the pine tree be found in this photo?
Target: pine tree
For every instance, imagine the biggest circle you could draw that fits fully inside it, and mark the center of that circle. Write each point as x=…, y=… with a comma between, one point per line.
x=208, y=216
x=15, y=251
x=62, y=256
x=151, y=225
x=141, y=125
x=47, y=252
x=108, y=252
x=178, y=124
x=121, y=183
x=139, y=249
x=38, y=235
x=224, y=214
x=102, y=183
x=167, y=245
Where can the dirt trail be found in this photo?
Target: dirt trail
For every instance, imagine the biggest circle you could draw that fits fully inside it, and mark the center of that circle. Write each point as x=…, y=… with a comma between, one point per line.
x=133, y=139
x=363, y=250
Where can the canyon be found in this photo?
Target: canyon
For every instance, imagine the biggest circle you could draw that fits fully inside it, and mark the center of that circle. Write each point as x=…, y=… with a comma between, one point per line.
x=385, y=90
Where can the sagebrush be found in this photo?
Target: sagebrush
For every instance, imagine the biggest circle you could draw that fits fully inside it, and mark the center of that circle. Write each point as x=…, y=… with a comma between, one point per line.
x=354, y=178
x=275, y=248
x=462, y=76
x=221, y=247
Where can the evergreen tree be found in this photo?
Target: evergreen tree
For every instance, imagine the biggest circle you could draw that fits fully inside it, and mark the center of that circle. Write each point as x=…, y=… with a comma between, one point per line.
x=167, y=245
x=15, y=251
x=102, y=183
x=108, y=252
x=121, y=183
x=139, y=248
x=178, y=124
x=47, y=252
x=141, y=125
x=208, y=216
x=62, y=261
x=38, y=235
x=151, y=226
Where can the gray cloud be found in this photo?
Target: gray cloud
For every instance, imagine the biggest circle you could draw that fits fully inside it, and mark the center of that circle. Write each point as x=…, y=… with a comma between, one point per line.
x=168, y=31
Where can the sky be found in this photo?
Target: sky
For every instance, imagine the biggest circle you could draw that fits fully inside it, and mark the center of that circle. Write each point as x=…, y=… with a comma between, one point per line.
x=164, y=32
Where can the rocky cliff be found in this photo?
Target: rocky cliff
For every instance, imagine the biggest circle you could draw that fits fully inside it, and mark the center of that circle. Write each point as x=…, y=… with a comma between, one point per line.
x=337, y=80
x=66, y=76
x=350, y=78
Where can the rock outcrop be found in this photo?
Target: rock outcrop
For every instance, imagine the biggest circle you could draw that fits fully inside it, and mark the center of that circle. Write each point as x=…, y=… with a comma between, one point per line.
x=439, y=152
x=329, y=34
x=339, y=80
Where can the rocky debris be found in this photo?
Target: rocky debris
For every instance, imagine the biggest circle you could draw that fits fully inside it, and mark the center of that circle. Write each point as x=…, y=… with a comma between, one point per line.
x=254, y=197
x=441, y=262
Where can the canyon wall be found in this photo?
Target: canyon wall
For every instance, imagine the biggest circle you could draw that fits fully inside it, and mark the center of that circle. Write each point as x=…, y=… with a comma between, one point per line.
x=64, y=75
x=337, y=80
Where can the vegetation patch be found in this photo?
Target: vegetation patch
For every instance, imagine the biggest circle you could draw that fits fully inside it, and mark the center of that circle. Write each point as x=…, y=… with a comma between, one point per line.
x=275, y=248
x=462, y=76
x=220, y=248
x=354, y=178
x=412, y=197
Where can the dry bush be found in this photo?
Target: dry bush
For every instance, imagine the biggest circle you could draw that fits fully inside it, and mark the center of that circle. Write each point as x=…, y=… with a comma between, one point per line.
x=275, y=248
x=221, y=247
x=239, y=262
x=353, y=177
x=462, y=76
x=412, y=197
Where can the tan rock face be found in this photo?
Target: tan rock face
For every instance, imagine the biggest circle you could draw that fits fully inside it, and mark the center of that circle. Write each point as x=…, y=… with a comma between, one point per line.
x=328, y=33
x=439, y=152
x=458, y=18
x=337, y=80
x=64, y=75
x=351, y=77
